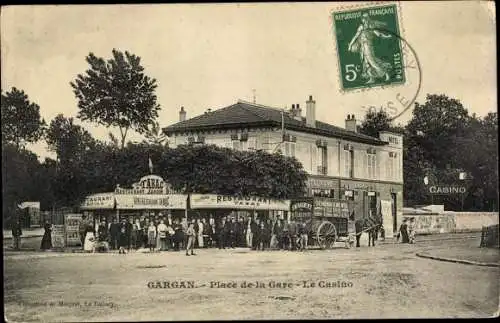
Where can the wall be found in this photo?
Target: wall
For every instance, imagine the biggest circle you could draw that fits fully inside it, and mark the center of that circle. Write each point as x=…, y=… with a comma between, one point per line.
x=473, y=220
x=449, y=221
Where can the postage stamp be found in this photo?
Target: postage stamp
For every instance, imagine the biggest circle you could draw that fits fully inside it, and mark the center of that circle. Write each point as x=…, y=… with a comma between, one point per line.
x=369, y=48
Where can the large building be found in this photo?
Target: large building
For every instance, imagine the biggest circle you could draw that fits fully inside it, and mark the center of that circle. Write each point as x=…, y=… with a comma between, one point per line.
x=341, y=163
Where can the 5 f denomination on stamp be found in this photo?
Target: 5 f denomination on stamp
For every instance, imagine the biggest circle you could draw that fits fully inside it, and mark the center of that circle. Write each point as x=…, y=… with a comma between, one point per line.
x=369, y=48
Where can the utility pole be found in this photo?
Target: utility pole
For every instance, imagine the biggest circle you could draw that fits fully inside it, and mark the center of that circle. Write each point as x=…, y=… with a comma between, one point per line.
x=254, y=96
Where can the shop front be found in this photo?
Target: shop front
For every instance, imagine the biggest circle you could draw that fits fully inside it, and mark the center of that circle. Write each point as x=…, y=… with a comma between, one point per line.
x=323, y=187
x=98, y=206
x=375, y=199
x=238, y=207
x=150, y=198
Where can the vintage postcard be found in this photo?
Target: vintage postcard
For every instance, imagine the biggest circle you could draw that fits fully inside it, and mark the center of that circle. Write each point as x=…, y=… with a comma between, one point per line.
x=249, y=161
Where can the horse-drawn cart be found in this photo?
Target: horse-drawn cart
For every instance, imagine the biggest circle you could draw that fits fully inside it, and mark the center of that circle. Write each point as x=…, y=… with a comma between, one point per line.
x=326, y=220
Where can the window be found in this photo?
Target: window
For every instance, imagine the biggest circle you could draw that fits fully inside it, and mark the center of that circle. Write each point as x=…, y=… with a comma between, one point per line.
x=371, y=162
x=236, y=145
x=253, y=143
x=393, y=167
x=244, y=145
x=289, y=149
x=397, y=168
x=322, y=160
x=266, y=141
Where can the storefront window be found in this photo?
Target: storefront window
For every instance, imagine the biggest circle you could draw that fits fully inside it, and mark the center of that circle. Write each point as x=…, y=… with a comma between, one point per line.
x=323, y=193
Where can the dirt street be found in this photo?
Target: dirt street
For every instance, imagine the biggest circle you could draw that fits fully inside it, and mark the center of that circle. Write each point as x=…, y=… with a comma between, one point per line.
x=387, y=281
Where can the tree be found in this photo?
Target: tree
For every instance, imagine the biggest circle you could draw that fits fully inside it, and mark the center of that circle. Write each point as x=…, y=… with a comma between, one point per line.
x=116, y=93
x=154, y=135
x=212, y=169
x=436, y=126
x=442, y=140
x=21, y=121
x=189, y=169
x=20, y=170
x=478, y=156
x=68, y=140
x=376, y=121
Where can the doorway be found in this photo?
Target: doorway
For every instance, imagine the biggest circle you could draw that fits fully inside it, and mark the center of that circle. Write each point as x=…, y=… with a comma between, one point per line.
x=394, y=213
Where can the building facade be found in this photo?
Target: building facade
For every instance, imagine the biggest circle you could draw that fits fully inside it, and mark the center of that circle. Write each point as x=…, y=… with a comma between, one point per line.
x=341, y=162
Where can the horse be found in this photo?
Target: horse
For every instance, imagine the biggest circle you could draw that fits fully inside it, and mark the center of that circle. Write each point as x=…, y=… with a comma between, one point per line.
x=372, y=226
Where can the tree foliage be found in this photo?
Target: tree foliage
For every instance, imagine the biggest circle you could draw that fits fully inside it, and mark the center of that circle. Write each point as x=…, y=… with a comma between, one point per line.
x=377, y=121
x=21, y=121
x=155, y=136
x=441, y=141
x=68, y=140
x=437, y=126
x=24, y=178
x=199, y=169
x=117, y=93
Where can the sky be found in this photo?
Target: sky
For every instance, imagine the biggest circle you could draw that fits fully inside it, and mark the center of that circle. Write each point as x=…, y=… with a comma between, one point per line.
x=211, y=55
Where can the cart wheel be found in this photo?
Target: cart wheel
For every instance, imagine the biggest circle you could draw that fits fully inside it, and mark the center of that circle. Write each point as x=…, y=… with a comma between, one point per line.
x=326, y=235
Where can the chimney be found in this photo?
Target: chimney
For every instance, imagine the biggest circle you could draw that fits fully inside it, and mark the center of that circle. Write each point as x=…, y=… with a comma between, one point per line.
x=350, y=123
x=182, y=115
x=311, y=112
x=298, y=113
x=292, y=111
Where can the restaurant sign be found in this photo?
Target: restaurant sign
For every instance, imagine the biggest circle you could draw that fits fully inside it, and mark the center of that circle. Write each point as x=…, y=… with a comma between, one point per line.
x=150, y=184
x=212, y=201
x=151, y=202
x=98, y=201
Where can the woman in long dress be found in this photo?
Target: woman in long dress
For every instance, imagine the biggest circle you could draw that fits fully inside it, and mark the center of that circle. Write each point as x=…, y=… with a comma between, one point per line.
x=403, y=231
x=88, y=245
x=47, y=237
x=372, y=67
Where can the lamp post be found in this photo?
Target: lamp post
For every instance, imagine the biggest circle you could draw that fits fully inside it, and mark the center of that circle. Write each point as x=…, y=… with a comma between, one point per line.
x=462, y=177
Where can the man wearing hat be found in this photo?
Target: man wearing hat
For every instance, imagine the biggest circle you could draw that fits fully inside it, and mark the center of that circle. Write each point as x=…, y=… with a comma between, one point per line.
x=191, y=234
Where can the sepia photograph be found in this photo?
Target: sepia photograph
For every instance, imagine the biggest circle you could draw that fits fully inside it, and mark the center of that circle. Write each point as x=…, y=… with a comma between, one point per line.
x=250, y=161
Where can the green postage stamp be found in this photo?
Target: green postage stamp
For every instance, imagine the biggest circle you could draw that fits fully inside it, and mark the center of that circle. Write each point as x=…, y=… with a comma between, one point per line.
x=369, y=47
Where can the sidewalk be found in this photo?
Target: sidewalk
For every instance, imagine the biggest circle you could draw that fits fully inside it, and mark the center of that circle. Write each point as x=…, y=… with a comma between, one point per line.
x=464, y=254
x=27, y=233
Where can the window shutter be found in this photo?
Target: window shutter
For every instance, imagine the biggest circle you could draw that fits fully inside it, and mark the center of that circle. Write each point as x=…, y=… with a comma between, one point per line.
x=365, y=166
x=314, y=165
x=332, y=161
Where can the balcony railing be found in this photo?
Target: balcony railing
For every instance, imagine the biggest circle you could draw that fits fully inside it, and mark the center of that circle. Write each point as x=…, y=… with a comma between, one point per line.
x=322, y=170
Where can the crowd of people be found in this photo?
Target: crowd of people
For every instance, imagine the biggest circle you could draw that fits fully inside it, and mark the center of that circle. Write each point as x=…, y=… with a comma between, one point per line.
x=163, y=233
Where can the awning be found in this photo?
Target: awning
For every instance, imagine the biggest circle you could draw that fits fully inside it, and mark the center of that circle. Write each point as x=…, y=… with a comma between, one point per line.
x=151, y=201
x=214, y=201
